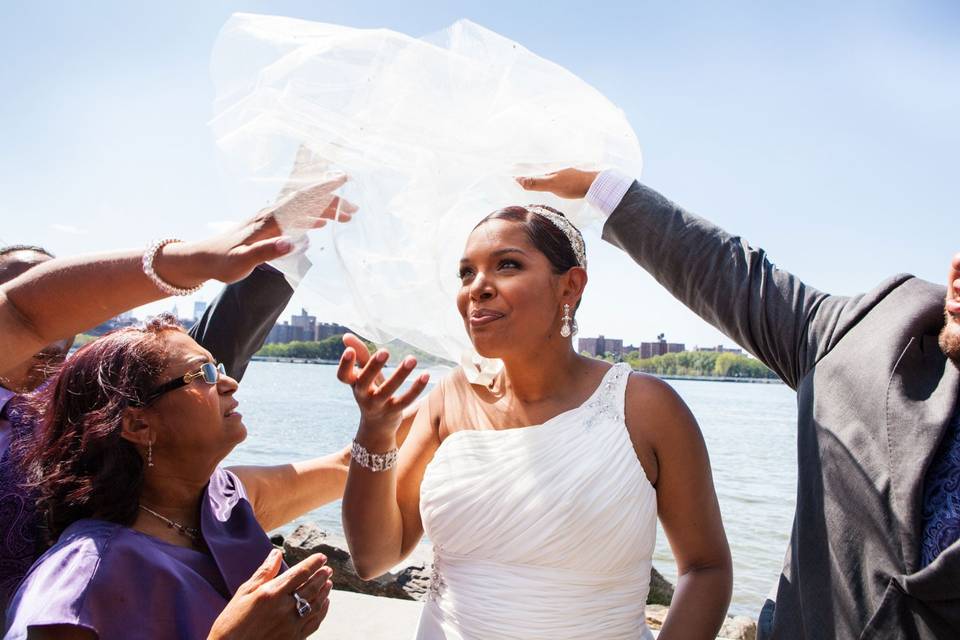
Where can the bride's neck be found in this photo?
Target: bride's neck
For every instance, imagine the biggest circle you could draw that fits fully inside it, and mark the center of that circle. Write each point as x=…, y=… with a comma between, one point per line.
x=532, y=378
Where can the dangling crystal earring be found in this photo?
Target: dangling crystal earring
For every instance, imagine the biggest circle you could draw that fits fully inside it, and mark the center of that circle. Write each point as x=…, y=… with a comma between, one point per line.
x=149, y=454
x=565, y=329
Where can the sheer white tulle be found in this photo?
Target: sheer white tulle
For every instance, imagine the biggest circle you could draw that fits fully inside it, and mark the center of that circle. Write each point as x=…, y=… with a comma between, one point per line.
x=431, y=132
x=542, y=532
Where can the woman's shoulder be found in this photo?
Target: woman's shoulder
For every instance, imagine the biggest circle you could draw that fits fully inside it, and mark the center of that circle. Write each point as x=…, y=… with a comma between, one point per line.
x=655, y=409
x=88, y=537
x=56, y=587
x=650, y=392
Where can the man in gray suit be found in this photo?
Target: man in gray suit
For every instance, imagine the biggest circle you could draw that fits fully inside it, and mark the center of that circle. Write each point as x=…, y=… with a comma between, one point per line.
x=874, y=550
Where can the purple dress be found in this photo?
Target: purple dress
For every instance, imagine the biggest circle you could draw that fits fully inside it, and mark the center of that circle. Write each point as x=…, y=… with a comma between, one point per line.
x=19, y=544
x=121, y=583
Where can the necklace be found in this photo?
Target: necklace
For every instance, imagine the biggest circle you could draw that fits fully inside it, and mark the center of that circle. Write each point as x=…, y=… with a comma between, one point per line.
x=189, y=532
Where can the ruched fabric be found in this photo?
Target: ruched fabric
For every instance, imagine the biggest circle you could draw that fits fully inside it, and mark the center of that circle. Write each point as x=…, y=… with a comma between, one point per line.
x=545, y=531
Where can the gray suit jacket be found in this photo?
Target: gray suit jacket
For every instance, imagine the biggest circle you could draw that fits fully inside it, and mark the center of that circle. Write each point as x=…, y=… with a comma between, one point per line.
x=875, y=394
x=236, y=324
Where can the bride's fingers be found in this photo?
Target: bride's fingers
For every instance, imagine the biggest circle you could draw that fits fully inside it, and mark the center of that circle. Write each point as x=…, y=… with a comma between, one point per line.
x=345, y=371
x=369, y=373
x=415, y=390
x=394, y=381
x=363, y=354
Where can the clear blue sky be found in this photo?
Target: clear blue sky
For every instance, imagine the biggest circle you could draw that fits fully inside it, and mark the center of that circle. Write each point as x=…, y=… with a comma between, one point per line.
x=828, y=133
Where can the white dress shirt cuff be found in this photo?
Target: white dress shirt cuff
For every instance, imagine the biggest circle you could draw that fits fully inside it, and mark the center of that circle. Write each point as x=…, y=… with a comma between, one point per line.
x=608, y=189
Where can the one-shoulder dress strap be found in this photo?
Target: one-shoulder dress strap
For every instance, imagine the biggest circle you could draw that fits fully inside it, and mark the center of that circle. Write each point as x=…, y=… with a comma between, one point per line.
x=607, y=405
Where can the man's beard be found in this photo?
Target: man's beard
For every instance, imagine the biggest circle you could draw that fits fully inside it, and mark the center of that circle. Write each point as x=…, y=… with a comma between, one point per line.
x=950, y=339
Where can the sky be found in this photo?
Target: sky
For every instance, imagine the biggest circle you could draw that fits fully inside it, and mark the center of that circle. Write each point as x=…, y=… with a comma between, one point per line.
x=826, y=133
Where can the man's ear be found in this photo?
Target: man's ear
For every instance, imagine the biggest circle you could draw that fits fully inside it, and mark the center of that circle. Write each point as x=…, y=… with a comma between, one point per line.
x=572, y=284
x=135, y=428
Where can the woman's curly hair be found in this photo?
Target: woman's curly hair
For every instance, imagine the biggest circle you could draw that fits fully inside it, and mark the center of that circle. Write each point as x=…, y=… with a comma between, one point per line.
x=76, y=463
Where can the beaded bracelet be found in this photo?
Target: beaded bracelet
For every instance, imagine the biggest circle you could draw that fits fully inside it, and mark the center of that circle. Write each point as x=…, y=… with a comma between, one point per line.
x=373, y=461
x=149, y=256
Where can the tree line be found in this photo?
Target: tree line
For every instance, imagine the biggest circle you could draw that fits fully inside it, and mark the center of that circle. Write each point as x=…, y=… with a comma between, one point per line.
x=700, y=363
x=332, y=348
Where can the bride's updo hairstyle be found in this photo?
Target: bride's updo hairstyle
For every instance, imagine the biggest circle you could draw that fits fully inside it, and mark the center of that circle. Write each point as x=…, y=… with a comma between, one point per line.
x=542, y=234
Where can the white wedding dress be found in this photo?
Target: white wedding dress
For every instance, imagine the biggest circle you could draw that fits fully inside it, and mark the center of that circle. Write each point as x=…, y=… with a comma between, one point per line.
x=544, y=531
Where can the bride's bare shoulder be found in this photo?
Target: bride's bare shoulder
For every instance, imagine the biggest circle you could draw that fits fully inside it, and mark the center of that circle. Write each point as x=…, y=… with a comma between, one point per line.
x=654, y=408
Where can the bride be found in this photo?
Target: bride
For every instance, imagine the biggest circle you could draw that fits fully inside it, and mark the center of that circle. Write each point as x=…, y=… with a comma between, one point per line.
x=539, y=491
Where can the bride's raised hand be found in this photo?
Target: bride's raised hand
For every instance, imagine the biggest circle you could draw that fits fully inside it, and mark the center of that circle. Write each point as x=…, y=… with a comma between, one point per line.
x=380, y=410
x=566, y=183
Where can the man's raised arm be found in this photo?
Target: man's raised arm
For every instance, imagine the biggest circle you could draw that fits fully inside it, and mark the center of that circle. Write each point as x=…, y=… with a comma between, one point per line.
x=236, y=324
x=773, y=314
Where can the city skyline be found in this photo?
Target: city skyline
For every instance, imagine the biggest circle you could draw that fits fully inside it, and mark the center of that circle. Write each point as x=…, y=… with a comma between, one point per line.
x=304, y=320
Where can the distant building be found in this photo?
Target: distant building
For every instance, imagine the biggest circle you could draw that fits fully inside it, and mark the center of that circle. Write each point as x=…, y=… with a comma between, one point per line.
x=284, y=332
x=303, y=327
x=720, y=349
x=328, y=329
x=199, y=307
x=658, y=348
x=601, y=346
x=305, y=322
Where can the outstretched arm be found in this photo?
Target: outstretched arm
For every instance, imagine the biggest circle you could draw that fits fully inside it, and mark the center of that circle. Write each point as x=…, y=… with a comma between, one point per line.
x=381, y=516
x=236, y=324
x=61, y=297
x=280, y=493
x=64, y=296
x=786, y=323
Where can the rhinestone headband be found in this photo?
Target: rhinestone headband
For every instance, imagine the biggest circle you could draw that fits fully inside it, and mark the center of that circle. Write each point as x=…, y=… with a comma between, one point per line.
x=563, y=223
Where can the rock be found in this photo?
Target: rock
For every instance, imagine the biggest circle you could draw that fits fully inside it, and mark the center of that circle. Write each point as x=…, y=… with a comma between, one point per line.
x=415, y=581
x=308, y=539
x=734, y=628
x=656, y=614
x=738, y=628
x=661, y=591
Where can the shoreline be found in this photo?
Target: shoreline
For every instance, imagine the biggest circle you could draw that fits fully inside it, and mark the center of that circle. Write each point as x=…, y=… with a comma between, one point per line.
x=658, y=375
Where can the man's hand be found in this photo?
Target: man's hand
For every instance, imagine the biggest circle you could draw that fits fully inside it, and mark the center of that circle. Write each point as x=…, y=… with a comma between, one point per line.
x=566, y=183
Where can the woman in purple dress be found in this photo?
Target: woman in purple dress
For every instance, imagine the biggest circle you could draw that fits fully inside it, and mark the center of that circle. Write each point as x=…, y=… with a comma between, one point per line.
x=113, y=573
x=153, y=538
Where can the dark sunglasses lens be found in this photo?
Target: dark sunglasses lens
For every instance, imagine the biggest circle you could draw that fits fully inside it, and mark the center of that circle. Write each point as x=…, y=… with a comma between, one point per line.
x=209, y=371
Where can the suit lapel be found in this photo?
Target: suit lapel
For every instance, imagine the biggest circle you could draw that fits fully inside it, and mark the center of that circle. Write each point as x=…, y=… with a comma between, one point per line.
x=921, y=398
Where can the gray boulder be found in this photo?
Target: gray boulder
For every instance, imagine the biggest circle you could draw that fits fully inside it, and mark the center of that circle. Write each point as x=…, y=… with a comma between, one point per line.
x=308, y=539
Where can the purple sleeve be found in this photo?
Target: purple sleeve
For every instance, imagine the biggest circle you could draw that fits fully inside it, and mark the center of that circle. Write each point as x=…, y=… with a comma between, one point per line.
x=55, y=589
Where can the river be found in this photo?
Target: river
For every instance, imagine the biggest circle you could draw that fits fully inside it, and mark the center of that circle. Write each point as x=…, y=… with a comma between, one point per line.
x=294, y=411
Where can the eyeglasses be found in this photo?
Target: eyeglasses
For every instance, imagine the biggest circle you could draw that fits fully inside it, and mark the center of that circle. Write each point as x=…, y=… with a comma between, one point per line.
x=209, y=372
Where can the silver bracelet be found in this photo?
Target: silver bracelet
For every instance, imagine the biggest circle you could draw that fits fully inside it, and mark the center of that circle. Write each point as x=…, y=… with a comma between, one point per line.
x=373, y=461
x=148, y=257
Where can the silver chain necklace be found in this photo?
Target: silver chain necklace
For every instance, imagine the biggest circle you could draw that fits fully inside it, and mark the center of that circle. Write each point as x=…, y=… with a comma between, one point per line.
x=190, y=532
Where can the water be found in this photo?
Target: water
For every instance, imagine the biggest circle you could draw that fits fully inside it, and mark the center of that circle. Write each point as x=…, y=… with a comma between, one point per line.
x=296, y=411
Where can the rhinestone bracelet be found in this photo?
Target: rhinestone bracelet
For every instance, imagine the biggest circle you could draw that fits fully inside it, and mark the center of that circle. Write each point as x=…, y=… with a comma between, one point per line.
x=373, y=461
x=149, y=256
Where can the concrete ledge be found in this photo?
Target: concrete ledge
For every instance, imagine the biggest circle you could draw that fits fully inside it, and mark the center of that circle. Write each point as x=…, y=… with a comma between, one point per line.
x=356, y=615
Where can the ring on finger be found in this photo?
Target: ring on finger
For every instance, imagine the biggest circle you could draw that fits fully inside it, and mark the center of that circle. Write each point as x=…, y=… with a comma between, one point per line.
x=303, y=607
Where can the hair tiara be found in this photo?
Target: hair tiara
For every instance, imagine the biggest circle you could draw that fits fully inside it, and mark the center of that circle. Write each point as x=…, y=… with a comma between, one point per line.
x=571, y=232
